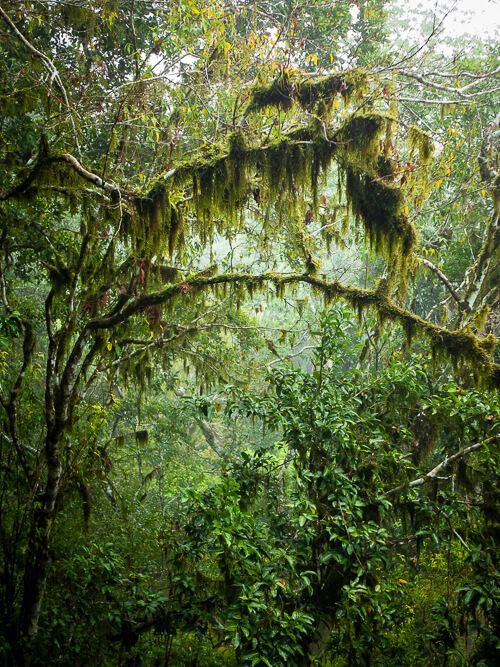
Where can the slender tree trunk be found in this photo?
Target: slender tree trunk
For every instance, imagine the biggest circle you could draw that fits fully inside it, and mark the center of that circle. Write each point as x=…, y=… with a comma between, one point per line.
x=319, y=642
x=38, y=554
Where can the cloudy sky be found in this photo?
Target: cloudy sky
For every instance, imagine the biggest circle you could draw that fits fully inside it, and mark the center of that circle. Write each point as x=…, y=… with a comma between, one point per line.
x=467, y=17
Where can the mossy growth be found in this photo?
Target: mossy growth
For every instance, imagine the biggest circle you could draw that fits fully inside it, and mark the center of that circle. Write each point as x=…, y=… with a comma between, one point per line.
x=381, y=205
x=278, y=94
x=422, y=142
x=467, y=351
x=159, y=222
x=279, y=176
x=421, y=150
x=314, y=94
x=463, y=347
x=360, y=137
x=283, y=176
x=372, y=195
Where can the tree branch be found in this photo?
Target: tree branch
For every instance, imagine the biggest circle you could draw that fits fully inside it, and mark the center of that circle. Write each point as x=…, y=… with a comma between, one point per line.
x=434, y=473
x=463, y=305
x=457, y=344
x=450, y=89
x=49, y=65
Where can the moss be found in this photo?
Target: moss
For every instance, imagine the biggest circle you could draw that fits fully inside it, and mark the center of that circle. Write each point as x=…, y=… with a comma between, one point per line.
x=141, y=437
x=175, y=229
x=421, y=150
x=312, y=94
x=381, y=207
x=422, y=142
x=371, y=193
x=361, y=135
x=323, y=89
x=463, y=347
x=285, y=173
x=480, y=318
x=386, y=167
x=160, y=223
x=278, y=94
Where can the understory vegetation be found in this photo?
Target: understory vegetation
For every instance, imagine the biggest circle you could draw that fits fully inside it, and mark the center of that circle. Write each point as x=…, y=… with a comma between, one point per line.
x=249, y=314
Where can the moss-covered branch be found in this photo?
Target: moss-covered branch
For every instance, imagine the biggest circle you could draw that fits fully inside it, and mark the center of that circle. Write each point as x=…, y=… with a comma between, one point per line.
x=41, y=170
x=282, y=176
x=462, y=347
x=311, y=93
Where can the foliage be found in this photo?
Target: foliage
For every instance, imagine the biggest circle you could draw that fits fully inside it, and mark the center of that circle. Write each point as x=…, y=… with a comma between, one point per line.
x=205, y=457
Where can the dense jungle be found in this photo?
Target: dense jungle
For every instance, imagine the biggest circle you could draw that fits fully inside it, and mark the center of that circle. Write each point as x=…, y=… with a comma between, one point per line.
x=249, y=315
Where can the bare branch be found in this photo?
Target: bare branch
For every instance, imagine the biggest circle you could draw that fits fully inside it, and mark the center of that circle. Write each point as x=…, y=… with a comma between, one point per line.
x=434, y=473
x=451, y=89
x=463, y=305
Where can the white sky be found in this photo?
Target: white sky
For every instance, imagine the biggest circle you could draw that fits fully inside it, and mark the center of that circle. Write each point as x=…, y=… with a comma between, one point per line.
x=480, y=18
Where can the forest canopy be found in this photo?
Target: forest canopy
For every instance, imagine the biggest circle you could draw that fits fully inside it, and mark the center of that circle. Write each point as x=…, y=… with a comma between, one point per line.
x=249, y=263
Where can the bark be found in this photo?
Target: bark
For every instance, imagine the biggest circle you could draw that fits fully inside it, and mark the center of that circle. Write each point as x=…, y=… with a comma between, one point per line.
x=38, y=554
x=485, y=272
x=60, y=391
x=482, y=281
x=319, y=642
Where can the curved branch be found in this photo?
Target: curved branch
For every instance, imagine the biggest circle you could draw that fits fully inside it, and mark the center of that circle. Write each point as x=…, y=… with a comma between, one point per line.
x=460, y=345
x=77, y=166
x=451, y=89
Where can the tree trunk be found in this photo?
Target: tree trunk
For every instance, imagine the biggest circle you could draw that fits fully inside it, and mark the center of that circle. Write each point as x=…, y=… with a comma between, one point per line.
x=38, y=554
x=319, y=642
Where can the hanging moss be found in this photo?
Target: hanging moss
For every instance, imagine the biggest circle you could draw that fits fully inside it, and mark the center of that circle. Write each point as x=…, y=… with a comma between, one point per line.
x=360, y=137
x=324, y=89
x=386, y=167
x=381, y=207
x=463, y=345
x=278, y=94
x=141, y=437
x=159, y=222
x=175, y=230
x=314, y=94
x=421, y=141
x=286, y=173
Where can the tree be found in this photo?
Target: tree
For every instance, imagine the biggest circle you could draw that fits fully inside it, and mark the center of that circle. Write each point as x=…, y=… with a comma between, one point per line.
x=143, y=141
